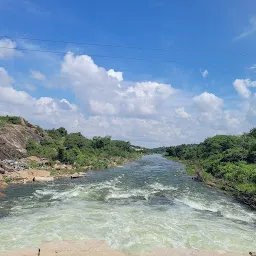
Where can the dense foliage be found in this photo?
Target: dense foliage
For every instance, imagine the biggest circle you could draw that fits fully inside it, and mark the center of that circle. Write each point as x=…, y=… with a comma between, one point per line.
x=10, y=120
x=75, y=149
x=223, y=159
x=160, y=150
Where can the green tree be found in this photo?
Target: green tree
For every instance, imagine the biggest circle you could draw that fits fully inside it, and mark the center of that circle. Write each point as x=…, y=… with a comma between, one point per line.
x=75, y=140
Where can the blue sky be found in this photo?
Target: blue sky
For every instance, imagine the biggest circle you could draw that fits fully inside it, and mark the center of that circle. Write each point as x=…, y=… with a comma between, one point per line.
x=199, y=82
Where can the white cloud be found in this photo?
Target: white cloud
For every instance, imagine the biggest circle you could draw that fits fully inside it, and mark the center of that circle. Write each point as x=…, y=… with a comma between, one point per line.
x=146, y=113
x=241, y=86
x=29, y=87
x=5, y=79
x=253, y=67
x=37, y=75
x=204, y=73
x=208, y=102
x=20, y=103
x=102, y=107
x=251, y=29
x=102, y=90
x=7, y=49
x=118, y=75
x=181, y=113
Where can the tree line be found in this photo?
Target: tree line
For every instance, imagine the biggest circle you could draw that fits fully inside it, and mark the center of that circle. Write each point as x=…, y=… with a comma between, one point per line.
x=226, y=159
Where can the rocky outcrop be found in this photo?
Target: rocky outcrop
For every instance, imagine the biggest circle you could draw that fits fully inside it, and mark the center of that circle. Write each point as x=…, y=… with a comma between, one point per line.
x=43, y=179
x=13, y=140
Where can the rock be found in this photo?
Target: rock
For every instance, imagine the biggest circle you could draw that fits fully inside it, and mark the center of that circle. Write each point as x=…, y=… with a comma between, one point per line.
x=252, y=253
x=1, y=177
x=56, y=166
x=3, y=185
x=22, y=122
x=2, y=195
x=42, y=179
x=34, y=159
x=69, y=167
x=13, y=140
x=2, y=171
x=77, y=176
x=39, y=173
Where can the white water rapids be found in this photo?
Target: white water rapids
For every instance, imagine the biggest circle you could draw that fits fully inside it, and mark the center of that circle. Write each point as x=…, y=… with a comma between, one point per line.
x=146, y=204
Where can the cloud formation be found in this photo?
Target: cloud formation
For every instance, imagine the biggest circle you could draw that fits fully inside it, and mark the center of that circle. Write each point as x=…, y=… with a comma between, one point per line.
x=242, y=85
x=37, y=75
x=204, y=73
x=147, y=113
x=251, y=29
x=7, y=49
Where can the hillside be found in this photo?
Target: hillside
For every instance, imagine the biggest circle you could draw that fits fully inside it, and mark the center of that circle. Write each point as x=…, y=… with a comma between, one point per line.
x=19, y=138
x=14, y=135
x=224, y=161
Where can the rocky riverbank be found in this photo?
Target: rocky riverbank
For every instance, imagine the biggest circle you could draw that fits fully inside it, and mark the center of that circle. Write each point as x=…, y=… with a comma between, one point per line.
x=36, y=169
x=101, y=248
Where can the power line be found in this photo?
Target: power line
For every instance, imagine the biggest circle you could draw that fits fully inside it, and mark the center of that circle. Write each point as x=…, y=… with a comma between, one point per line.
x=92, y=55
x=104, y=45
x=84, y=43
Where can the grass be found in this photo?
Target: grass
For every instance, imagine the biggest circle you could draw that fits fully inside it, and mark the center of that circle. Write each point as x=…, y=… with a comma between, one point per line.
x=8, y=180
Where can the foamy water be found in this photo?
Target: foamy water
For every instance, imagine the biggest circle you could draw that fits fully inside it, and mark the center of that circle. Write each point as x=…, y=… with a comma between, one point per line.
x=143, y=205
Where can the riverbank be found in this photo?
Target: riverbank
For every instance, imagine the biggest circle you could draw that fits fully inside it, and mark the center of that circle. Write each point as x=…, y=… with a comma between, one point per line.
x=27, y=150
x=101, y=248
x=194, y=169
x=55, y=170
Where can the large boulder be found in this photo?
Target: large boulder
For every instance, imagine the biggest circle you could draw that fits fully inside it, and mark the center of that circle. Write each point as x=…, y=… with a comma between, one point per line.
x=3, y=185
x=14, y=138
x=43, y=179
x=2, y=195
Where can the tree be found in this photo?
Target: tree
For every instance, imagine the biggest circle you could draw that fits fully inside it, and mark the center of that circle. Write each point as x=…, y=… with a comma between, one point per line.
x=235, y=155
x=100, y=142
x=74, y=140
x=171, y=151
x=61, y=154
x=253, y=132
x=62, y=132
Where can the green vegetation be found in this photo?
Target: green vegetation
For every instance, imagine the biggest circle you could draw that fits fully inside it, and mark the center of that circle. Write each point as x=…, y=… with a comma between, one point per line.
x=75, y=149
x=9, y=120
x=8, y=180
x=227, y=161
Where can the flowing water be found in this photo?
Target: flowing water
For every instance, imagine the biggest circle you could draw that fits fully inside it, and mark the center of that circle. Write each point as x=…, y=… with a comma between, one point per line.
x=142, y=205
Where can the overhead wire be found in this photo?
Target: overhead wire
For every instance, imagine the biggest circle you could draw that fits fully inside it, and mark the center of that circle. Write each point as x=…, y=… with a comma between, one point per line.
x=92, y=55
x=84, y=43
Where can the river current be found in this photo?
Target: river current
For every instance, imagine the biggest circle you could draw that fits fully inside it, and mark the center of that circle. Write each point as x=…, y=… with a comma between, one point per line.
x=142, y=205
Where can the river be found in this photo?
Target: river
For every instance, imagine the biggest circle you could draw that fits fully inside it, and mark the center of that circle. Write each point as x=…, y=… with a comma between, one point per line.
x=142, y=205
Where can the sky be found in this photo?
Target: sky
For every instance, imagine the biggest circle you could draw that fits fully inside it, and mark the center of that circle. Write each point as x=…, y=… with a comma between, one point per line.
x=154, y=72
